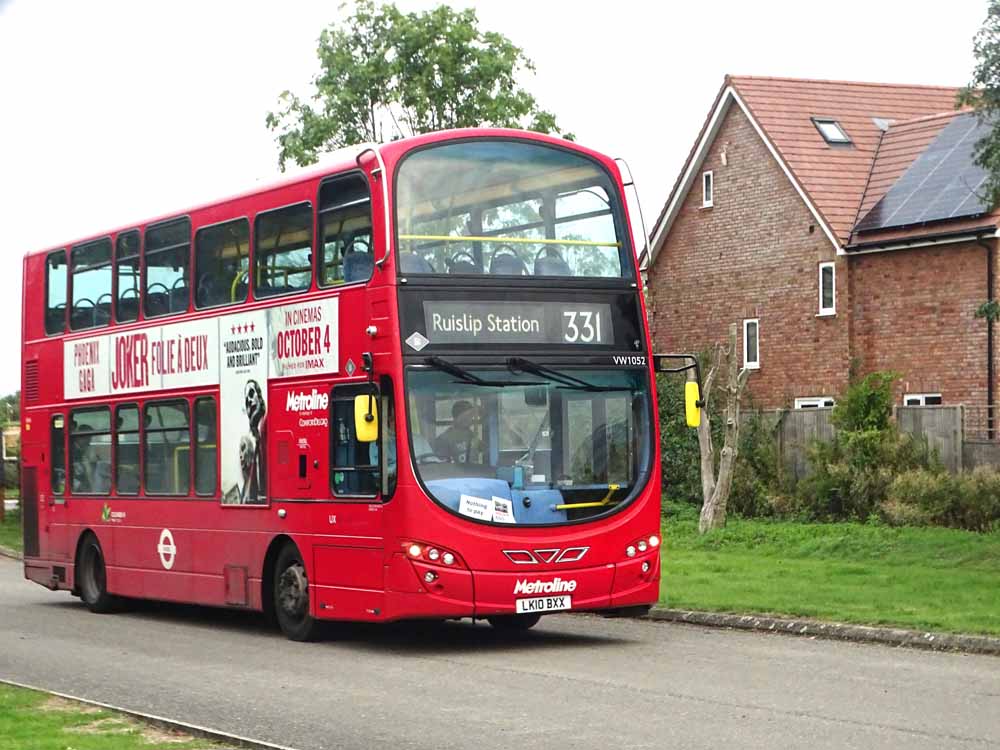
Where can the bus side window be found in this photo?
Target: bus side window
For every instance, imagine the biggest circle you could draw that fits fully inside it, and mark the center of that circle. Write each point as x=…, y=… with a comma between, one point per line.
x=56, y=277
x=90, y=451
x=91, y=285
x=388, y=437
x=127, y=449
x=166, y=448
x=354, y=468
x=205, y=446
x=283, y=251
x=127, y=276
x=345, y=222
x=221, y=264
x=168, y=253
x=57, y=451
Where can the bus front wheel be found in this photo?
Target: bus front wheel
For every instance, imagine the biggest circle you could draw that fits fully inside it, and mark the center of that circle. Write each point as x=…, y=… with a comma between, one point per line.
x=513, y=622
x=92, y=577
x=291, y=596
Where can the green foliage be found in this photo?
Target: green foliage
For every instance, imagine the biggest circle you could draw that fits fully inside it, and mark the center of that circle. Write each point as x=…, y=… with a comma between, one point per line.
x=10, y=530
x=761, y=484
x=852, y=474
x=989, y=310
x=382, y=70
x=968, y=501
x=983, y=95
x=10, y=407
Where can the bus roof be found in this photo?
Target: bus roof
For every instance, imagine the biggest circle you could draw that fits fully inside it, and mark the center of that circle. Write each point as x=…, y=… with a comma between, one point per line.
x=330, y=162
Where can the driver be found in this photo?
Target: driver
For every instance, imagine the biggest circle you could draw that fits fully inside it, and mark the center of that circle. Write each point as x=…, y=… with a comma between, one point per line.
x=458, y=442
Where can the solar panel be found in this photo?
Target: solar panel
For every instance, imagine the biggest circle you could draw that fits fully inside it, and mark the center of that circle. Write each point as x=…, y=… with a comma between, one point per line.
x=942, y=183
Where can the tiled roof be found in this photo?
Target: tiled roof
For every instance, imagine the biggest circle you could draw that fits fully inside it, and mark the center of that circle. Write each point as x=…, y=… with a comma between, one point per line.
x=834, y=176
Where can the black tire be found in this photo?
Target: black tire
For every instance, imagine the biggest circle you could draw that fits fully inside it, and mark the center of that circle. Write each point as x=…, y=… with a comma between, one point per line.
x=514, y=623
x=291, y=596
x=92, y=577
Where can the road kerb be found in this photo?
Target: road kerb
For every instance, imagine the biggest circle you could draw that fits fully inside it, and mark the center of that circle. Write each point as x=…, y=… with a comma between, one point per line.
x=971, y=644
x=162, y=723
x=11, y=553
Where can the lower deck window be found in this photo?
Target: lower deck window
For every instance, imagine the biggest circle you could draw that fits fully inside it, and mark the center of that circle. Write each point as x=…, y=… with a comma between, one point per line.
x=166, y=448
x=90, y=451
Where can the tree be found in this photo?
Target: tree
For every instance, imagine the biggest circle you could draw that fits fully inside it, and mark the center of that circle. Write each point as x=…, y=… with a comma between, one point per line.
x=384, y=72
x=717, y=485
x=983, y=95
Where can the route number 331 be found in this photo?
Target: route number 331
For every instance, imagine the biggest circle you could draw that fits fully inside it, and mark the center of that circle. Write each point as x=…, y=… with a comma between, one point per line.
x=581, y=327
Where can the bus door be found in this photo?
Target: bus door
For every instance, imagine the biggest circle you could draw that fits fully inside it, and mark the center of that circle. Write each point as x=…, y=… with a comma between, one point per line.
x=301, y=428
x=55, y=499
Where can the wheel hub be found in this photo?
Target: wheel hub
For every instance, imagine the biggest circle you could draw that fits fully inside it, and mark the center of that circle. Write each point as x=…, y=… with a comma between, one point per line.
x=293, y=591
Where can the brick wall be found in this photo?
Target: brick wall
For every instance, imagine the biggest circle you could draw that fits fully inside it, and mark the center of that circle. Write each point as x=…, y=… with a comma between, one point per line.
x=913, y=311
x=754, y=254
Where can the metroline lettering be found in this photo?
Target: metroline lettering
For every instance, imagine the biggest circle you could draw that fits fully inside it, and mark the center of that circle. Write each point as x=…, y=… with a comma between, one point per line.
x=555, y=586
x=131, y=362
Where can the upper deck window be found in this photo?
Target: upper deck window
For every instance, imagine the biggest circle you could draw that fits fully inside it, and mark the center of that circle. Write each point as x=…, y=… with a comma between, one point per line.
x=168, y=254
x=127, y=276
x=91, y=285
x=508, y=208
x=222, y=263
x=56, y=272
x=283, y=251
x=345, y=226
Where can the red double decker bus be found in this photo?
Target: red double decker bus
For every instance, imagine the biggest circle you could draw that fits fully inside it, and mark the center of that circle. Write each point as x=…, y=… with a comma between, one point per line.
x=415, y=382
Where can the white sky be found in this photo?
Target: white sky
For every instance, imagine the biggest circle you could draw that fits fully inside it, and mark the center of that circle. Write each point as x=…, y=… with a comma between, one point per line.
x=111, y=112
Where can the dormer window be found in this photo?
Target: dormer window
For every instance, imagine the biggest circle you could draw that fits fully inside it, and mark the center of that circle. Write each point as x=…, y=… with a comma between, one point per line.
x=831, y=130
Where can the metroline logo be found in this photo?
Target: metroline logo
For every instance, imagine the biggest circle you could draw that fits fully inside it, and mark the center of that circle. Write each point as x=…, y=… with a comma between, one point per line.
x=307, y=401
x=556, y=586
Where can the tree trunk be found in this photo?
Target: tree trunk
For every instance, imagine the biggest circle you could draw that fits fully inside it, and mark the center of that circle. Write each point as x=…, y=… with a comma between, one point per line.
x=716, y=488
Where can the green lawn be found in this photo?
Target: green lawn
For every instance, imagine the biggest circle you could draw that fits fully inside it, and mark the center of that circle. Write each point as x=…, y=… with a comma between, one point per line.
x=10, y=530
x=40, y=722
x=935, y=579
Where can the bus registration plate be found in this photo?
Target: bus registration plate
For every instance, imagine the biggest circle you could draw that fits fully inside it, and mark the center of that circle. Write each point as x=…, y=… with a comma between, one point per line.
x=543, y=604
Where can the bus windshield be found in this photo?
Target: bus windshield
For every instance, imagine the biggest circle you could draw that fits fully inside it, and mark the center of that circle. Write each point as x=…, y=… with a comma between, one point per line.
x=530, y=447
x=508, y=208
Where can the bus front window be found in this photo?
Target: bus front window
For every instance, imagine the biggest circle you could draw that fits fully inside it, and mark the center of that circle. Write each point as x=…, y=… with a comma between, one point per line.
x=508, y=208
x=524, y=449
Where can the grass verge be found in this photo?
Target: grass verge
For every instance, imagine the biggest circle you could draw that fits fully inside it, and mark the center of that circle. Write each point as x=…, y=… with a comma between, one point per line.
x=918, y=578
x=10, y=530
x=41, y=722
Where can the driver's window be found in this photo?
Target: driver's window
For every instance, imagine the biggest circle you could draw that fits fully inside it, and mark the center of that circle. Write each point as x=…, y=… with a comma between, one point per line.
x=91, y=263
x=168, y=254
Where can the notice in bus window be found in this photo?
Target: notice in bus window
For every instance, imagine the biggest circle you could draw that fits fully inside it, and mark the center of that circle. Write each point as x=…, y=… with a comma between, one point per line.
x=476, y=507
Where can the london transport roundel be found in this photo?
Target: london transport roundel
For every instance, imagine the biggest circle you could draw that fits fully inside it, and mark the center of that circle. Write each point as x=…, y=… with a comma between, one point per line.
x=166, y=549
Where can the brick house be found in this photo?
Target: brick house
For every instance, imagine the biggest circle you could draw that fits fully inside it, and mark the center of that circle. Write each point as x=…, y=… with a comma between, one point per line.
x=837, y=224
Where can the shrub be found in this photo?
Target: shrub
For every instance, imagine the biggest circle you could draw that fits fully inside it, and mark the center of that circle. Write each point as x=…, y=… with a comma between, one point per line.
x=965, y=501
x=761, y=484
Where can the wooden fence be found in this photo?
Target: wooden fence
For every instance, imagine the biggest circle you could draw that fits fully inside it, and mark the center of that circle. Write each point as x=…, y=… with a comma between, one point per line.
x=944, y=428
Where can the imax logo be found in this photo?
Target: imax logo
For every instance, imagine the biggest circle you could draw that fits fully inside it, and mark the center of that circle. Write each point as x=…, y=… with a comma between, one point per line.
x=307, y=401
x=557, y=586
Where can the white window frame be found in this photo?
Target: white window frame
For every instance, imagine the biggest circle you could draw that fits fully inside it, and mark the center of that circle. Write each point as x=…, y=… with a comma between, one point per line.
x=921, y=399
x=814, y=402
x=707, y=189
x=748, y=365
x=832, y=310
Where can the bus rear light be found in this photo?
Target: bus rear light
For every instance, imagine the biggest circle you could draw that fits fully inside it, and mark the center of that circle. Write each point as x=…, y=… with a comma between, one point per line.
x=642, y=545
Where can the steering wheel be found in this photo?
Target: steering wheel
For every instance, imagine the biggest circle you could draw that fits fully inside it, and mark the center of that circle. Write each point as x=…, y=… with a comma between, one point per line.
x=460, y=255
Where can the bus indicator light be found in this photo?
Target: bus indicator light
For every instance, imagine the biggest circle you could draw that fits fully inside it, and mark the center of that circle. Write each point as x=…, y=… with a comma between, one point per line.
x=415, y=550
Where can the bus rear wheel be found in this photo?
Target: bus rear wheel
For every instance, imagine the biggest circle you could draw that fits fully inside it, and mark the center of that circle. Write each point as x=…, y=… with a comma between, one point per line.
x=92, y=577
x=514, y=623
x=291, y=596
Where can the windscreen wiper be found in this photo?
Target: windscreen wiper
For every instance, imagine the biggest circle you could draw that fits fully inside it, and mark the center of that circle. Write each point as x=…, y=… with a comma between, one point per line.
x=467, y=377
x=519, y=364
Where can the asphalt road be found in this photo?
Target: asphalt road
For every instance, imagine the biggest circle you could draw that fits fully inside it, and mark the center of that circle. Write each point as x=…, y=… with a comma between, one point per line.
x=573, y=682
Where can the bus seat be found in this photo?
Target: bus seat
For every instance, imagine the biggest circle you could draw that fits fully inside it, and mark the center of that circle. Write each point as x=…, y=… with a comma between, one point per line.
x=551, y=264
x=358, y=266
x=157, y=303
x=179, y=299
x=413, y=263
x=508, y=264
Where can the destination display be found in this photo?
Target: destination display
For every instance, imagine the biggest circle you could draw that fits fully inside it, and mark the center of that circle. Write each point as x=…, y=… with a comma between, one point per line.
x=501, y=322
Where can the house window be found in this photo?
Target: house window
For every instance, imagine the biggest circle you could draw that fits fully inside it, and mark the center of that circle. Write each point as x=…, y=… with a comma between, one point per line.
x=814, y=402
x=827, y=289
x=751, y=344
x=831, y=130
x=922, y=399
x=707, y=189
